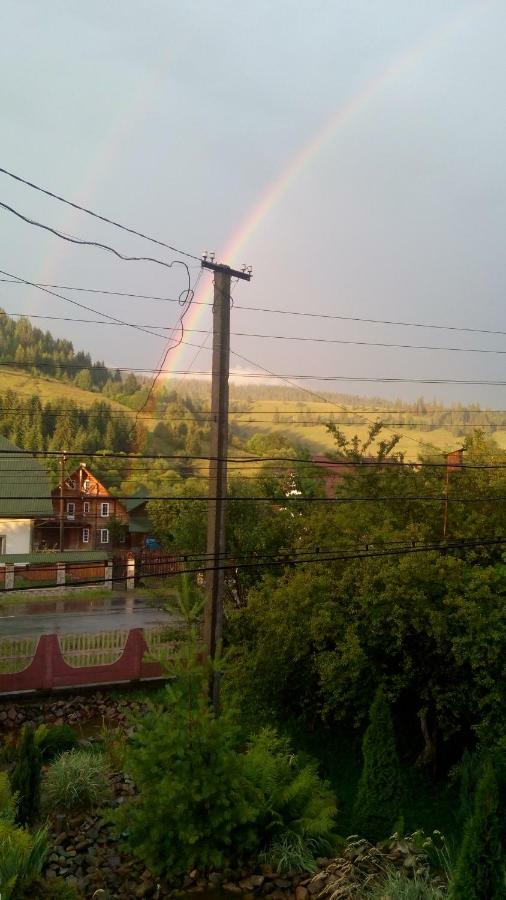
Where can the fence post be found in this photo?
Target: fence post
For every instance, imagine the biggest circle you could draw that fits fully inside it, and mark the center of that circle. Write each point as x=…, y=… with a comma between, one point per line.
x=60, y=573
x=108, y=574
x=130, y=579
x=9, y=577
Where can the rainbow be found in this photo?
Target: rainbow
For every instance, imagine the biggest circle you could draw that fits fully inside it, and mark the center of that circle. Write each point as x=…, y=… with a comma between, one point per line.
x=341, y=117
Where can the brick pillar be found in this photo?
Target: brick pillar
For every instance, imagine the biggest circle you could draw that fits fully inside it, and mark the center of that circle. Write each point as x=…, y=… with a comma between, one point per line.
x=9, y=577
x=60, y=573
x=130, y=575
x=108, y=574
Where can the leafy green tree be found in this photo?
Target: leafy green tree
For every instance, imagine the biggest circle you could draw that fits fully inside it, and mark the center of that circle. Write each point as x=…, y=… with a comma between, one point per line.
x=255, y=527
x=379, y=794
x=480, y=872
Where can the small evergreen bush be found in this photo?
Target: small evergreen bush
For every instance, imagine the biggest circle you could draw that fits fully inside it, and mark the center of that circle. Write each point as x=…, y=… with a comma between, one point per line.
x=195, y=807
x=75, y=780
x=26, y=777
x=206, y=798
x=55, y=740
x=480, y=869
x=379, y=795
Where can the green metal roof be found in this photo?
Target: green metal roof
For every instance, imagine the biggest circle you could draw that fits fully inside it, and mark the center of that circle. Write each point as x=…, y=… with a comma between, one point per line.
x=133, y=502
x=139, y=526
x=22, y=476
x=70, y=556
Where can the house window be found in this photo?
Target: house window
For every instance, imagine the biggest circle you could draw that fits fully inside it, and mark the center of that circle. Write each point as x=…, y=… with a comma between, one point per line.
x=70, y=483
x=86, y=507
x=104, y=510
x=3, y=543
x=104, y=535
x=86, y=484
x=71, y=510
x=86, y=535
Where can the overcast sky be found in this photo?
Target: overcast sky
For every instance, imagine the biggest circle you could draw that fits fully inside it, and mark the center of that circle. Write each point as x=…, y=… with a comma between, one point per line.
x=178, y=118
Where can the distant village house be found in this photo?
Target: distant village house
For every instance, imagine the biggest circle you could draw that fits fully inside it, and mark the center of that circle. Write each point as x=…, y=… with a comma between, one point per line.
x=24, y=498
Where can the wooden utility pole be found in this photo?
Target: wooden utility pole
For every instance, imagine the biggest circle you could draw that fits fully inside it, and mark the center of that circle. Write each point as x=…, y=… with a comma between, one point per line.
x=62, y=502
x=216, y=544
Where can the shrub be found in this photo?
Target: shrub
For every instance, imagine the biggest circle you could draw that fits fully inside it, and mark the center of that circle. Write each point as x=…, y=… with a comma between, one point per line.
x=195, y=807
x=26, y=777
x=77, y=779
x=480, y=868
x=397, y=886
x=54, y=741
x=297, y=814
x=22, y=857
x=206, y=798
x=378, y=801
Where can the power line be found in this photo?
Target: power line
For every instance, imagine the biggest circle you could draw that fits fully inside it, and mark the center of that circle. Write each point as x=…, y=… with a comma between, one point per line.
x=82, y=306
x=96, y=215
x=383, y=465
x=82, y=242
x=124, y=417
x=169, y=347
x=287, y=312
x=278, y=337
x=67, y=287
x=302, y=377
x=292, y=498
x=404, y=324
x=288, y=562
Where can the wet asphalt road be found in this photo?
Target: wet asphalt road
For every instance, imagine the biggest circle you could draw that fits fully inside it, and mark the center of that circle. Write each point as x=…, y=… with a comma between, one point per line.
x=78, y=617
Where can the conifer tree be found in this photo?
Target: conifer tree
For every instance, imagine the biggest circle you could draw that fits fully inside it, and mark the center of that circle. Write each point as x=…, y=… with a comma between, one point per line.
x=26, y=777
x=379, y=794
x=480, y=870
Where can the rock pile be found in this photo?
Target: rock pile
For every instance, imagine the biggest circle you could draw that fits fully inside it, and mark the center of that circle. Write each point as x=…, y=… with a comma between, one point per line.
x=77, y=710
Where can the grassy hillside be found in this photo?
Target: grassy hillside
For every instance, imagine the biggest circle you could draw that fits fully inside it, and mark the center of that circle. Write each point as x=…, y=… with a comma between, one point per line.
x=50, y=389
x=263, y=413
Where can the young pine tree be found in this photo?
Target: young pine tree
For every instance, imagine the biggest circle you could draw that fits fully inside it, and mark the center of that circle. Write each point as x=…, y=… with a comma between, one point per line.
x=480, y=869
x=26, y=777
x=379, y=794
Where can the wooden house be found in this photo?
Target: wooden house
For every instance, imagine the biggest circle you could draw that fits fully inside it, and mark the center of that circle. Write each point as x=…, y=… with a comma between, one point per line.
x=93, y=519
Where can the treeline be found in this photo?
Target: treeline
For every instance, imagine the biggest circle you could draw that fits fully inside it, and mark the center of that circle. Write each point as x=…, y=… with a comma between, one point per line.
x=62, y=425
x=22, y=343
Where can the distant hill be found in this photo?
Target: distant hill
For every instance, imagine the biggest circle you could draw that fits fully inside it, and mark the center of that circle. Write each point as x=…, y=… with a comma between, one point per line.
x=60, y=397
x=301, y=419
